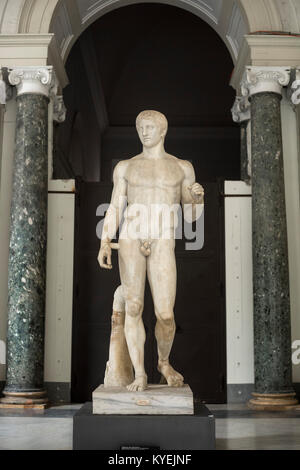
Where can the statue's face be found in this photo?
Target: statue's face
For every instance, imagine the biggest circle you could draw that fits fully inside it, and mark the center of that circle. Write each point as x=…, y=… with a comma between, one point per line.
x=150, y=132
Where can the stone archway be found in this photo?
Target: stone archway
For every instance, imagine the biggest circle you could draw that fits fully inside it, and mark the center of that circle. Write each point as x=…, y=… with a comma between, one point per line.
x=230, y=26
x=34, y=22
x=68, y=18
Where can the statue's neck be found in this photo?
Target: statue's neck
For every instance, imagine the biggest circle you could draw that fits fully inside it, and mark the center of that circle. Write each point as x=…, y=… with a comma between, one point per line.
x=156, y=152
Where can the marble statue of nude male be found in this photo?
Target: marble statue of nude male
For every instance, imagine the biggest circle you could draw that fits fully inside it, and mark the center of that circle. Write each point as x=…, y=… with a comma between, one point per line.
x=152, y=178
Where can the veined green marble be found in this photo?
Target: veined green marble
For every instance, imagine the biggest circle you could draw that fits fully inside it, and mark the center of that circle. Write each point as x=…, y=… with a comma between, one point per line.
x=244, y=153
x=272, y=324
x=27, y=251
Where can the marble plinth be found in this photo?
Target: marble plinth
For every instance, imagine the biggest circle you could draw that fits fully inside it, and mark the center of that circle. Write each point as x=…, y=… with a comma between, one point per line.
x=155, y=400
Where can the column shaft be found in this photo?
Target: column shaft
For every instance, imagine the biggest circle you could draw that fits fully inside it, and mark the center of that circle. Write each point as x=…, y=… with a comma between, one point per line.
x=272, y=324
x=27, y=255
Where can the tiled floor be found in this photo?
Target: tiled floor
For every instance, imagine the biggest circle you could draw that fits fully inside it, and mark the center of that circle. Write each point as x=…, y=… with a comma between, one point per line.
x=237, y=428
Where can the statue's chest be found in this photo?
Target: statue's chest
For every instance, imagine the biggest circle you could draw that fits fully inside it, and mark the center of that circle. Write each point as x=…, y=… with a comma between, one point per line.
x=162, y=173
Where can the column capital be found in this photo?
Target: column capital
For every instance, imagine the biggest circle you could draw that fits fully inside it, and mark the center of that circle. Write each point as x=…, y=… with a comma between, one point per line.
x=34, y=80
x=59, y=109
x=265, y=79
x=241, y=109
x=294, y=90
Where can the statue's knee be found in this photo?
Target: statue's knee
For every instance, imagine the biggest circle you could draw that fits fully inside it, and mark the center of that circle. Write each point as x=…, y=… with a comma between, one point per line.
x=166, y=317
x=133, y=308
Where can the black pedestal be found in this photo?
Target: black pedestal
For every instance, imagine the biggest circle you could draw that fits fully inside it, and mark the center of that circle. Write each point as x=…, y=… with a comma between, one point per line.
x=117, y=432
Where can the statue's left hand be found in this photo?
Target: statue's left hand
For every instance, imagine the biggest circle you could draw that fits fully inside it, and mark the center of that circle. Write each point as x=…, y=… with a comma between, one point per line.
x=197, y=193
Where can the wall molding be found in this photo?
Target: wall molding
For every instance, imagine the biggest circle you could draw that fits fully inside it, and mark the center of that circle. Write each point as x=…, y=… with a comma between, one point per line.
x=30, y=50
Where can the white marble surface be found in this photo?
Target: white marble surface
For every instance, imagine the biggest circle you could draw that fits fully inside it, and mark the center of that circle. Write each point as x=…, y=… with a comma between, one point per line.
x=258, y=434
x=20, y=433
x=155, y=400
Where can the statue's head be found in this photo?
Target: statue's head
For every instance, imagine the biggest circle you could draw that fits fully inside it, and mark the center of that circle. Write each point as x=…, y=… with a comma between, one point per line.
x=152, y=127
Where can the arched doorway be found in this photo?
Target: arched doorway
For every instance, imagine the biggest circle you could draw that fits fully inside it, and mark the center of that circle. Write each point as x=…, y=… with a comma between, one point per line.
x=169, y=60
x=149, y=57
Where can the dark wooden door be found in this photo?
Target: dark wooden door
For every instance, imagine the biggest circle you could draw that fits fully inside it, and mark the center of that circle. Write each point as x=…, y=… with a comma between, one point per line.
x=199, y=350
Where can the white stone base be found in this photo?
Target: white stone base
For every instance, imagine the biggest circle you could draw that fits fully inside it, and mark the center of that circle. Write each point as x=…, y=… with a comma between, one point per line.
x=155, y=400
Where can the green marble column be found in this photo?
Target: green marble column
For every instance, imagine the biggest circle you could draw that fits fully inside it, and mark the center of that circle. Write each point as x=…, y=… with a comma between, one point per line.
x=272, y=323
x=28, y=239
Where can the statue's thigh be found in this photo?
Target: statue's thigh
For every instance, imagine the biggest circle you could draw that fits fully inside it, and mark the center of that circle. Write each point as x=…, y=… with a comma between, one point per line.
x=162, y=274
x=132, y=267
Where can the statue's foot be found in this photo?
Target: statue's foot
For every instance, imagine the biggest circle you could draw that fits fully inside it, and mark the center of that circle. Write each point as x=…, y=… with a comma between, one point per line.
x=163, y=380
x=138, y=385
x=173, y=378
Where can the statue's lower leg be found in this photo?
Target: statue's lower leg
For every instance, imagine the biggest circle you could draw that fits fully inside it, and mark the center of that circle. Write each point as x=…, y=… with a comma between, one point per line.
x=135, y=337
x=165, y=332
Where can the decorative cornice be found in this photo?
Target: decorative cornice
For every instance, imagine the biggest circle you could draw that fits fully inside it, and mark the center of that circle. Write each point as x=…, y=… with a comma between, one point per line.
x=265, y=50
x=33, y=80
x=59, y=109
x=294, y=90
x=42, y=49
x=265, y=79
x=241, y=109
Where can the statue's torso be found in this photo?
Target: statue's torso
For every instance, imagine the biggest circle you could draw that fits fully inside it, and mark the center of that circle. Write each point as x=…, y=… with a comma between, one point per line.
x=156, y=186
x=152, y=181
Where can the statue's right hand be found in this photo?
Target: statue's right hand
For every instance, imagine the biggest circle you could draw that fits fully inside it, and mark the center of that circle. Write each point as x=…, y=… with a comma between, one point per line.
x=104, y=256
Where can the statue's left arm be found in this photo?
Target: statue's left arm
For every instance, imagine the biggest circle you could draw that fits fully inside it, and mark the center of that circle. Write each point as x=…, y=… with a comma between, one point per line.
x=192, y=194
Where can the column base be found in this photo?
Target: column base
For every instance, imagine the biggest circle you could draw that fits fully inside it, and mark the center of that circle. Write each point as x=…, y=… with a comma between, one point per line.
x=273, y=402
x=35, y=399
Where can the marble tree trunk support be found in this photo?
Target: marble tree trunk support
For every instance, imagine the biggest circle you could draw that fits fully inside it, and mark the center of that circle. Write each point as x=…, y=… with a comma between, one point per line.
x=272, y=323
x=241, y=115
x=28, y=238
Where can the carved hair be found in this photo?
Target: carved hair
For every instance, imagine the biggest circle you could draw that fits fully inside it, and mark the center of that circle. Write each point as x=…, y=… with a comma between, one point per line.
x=156, y=116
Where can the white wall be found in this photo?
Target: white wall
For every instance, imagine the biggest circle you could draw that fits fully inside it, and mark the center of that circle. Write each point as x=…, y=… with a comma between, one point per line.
x=2, y=112
x=239, y=298
x=291, y=175
x=59, y=278
x=59, y=296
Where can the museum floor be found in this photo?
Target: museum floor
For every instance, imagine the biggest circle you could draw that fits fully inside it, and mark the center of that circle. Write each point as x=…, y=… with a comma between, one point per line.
x=237, y=428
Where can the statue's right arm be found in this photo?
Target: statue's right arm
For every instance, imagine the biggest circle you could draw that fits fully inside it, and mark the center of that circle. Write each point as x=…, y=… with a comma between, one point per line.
x=114, y=213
